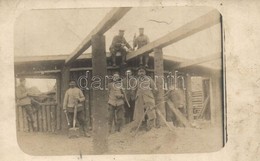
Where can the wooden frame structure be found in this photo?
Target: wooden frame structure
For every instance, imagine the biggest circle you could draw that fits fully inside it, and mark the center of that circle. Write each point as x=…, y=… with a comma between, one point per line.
x=97, y=41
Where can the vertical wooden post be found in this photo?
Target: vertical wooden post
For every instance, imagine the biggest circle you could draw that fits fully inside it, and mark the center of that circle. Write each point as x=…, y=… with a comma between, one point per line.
x=100, y=126
x=44, y=118
x=59, y=107
x=216, y=101
x=65, y=78
x=159, y=78
x=189, y=98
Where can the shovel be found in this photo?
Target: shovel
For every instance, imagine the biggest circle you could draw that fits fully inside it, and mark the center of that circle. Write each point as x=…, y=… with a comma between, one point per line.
x=74, y=131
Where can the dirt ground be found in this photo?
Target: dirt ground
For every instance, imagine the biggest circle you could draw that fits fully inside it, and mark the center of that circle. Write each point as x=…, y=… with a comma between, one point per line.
x=203, y=138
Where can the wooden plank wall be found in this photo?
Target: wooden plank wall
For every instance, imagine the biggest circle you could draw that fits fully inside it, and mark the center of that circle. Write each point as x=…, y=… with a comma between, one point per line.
x=45, y=118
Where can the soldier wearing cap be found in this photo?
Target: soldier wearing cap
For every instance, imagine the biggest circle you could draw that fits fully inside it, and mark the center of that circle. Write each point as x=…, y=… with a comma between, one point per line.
x=24, y=100
x=117, y=45
x=139, y=42
x=129, y=83
x=73, y=97
x=145, y=100
x=116, y=103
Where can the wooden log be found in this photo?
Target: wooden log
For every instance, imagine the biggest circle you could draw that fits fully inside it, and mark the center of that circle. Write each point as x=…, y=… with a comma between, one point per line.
x=53, y=118
x=58, y=107
x=105, y=24
x=159, y=77
x=195, y=26
x=25, y=121
x=164, y=120
x=44, y=118
x=189, y=97
x=178, y=114
x=65, y=75
x=48, y=112
x=40, y=118
x=100, y=126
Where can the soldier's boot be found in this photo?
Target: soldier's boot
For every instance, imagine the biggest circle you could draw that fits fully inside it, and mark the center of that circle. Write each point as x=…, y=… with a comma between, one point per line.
x=85, y=131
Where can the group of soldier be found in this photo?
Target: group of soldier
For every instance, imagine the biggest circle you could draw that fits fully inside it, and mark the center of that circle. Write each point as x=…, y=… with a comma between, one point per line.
x=130, y=98
x=119, y=43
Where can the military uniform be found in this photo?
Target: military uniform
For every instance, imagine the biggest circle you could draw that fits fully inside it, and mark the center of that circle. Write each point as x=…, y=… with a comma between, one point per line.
x=118, y=46
x=130, y=89
x=145, y=101
x=72, y=96
x=139, y=42
x=116, y=106
x=24, y=101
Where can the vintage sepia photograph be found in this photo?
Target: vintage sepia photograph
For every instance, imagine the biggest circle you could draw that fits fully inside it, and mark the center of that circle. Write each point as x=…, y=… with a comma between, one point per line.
x=124, y=80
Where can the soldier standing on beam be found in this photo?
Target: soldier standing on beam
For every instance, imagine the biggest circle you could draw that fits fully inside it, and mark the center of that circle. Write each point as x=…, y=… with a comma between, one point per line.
x=139, y=42
x=118, y=45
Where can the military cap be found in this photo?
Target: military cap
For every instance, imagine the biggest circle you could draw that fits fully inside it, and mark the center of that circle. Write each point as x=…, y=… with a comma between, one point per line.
x=72, y=83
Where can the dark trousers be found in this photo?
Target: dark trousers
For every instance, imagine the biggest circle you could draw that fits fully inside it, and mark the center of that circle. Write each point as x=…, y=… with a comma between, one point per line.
x=113, y=52
x=30, y=116
x=129, y=112
x=144, y=57
x=116, y=115
x=80, y=118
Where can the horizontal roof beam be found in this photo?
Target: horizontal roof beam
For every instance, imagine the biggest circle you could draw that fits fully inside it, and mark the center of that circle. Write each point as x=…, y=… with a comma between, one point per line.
x=105, y=24
x=199, y=60
x=184, y=31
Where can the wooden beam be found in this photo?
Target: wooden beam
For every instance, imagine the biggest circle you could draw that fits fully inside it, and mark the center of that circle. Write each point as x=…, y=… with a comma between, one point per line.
x=199, y=60
x=184, y=31
x=159, y=77
x=204, y=107
x=189, y=98
x=100, y=126
x=178, y=114
x=106, y=23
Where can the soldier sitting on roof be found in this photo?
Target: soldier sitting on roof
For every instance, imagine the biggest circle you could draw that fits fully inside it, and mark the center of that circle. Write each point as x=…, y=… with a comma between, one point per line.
x=139, y=42
x=118, y=45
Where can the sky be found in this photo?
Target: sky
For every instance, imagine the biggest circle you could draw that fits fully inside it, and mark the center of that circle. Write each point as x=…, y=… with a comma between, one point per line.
x=60, y=31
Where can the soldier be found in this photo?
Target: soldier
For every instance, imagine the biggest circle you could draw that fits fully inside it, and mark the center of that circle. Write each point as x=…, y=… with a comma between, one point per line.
x=130, y=83
x=145, y=100
x=24, y=100
x=118, y=45
x=116, y=103
x=73, y=96
x=139, y=42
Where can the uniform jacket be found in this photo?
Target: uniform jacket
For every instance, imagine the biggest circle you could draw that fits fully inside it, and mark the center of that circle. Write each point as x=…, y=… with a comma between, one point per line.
x=140, y=41
x=70, y=99
x=130, y=85
x=144, y=98
x=21, y=96
x=117, y=41
x=115, y=96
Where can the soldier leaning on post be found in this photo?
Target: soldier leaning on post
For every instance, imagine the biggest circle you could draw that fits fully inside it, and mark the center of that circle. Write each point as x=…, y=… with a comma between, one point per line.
x=145, y=100
x=117, y=45
x=129, y=84
x=72, y=96
x=24, y=100
x=139, y=42
x=116, y=103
